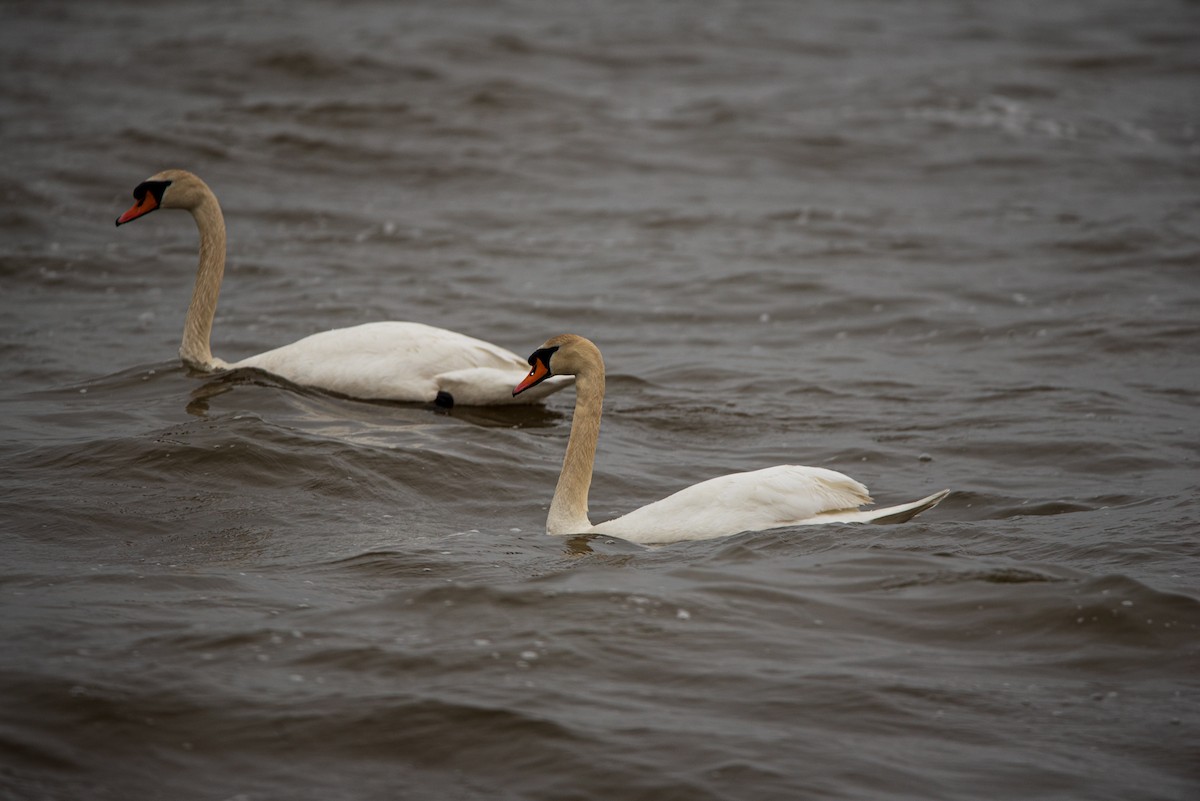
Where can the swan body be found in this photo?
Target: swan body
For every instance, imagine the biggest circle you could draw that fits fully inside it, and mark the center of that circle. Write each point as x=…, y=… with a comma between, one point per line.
x=773, y=497
x=397, y=361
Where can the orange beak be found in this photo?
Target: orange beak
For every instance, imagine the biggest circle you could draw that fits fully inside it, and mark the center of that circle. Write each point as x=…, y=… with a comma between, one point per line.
x=537, y=374
x=147, y=204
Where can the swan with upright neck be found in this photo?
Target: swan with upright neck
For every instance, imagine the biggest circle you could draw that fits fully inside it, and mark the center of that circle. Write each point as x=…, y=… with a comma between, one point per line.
x=773, y=497
x=397, y=361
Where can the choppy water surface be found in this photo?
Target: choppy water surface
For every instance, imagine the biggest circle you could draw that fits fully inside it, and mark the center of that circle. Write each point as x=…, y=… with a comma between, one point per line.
x=927, y=244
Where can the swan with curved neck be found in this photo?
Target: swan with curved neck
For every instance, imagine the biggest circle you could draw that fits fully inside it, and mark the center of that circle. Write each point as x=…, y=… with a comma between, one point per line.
x=397, y=361
x=784, y=495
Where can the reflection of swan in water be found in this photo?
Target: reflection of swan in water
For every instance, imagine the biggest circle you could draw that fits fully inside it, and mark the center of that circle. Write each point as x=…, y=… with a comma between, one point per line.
x=370, y=420
x=396, y=361
x=785, y=495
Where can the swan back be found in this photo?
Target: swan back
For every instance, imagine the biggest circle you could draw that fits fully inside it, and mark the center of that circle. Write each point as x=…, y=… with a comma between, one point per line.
x=400, y=361
x=784, y=495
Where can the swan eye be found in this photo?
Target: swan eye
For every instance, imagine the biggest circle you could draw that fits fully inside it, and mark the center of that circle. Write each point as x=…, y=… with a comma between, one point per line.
x=541, y=355
x=156, y=188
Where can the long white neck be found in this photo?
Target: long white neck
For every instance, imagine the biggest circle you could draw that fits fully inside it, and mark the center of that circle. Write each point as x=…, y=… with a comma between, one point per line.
x=197, y=327
x=569, y=509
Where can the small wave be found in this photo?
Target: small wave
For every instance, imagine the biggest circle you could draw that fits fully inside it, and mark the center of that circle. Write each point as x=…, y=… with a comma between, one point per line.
x=994, y=575
x=994, y=112
x=306, y=63
x=1097, y=62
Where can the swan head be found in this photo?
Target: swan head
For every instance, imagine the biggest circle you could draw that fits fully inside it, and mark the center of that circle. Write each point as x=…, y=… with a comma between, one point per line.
x=565, y=354
x=169, y=189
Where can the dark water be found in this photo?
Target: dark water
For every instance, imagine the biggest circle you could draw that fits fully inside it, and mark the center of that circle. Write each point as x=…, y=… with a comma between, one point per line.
x=927, y=244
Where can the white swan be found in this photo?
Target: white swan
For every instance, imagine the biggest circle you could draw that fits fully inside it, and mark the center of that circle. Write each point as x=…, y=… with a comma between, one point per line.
x=375, y=361
x=785, y=495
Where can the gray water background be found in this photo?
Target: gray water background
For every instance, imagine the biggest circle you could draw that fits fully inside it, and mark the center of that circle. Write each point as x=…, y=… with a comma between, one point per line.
x=929, y=244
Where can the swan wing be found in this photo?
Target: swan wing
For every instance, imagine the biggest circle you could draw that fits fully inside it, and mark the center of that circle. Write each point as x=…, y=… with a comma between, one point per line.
x=785, y=495
x=401, y=361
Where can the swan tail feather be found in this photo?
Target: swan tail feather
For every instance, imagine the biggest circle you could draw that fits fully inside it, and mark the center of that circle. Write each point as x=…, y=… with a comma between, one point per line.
x=906, y=511
x=900, y=513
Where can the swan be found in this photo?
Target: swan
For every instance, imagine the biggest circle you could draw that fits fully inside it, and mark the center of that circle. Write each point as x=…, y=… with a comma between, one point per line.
x=784, y=495
x=397, y=361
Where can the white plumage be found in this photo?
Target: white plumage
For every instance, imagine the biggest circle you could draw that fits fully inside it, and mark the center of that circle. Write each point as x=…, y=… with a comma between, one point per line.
x=399, y=361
